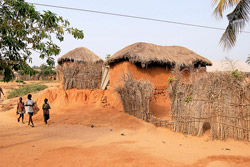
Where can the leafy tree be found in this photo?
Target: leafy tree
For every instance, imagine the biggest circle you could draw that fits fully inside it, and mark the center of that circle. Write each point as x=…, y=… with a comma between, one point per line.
x=237, y=19
x=107, y=56
x=23, y=30
x=46, y=70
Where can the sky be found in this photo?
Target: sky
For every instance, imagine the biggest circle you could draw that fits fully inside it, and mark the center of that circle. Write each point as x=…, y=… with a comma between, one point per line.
x=104, y=34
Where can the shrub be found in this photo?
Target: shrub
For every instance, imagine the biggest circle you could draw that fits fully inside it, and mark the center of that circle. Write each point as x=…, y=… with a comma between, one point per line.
x=237, y=74
x=20, y=81
x=26, y=90
x=171, y=79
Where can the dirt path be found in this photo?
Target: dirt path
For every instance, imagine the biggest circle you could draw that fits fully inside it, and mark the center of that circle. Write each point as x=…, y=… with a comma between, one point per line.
x=75, y=143
x=117, y=139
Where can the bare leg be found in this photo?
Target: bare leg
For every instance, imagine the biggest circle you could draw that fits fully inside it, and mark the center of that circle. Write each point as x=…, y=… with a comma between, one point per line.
x=31, y=121
x=22, y=118
x=18, y=119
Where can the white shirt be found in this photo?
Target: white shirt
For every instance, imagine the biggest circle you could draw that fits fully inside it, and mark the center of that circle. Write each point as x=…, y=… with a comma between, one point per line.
x=29, y=109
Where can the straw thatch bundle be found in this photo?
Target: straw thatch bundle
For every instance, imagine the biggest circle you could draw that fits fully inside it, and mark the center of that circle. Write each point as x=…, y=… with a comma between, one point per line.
x=81, y=69
x=220, y=101
x=146, y=54
x=135, y=96
x=80, y=55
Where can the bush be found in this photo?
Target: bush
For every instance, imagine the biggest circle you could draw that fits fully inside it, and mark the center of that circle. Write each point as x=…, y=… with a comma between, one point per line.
x=171, y=79
x=46, y=70
x=26, y=90
x=237, y=75
x=20, y=81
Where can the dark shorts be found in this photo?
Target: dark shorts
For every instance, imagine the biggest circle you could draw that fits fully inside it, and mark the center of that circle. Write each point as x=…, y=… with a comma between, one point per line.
x=46, y=116
x=31, y=114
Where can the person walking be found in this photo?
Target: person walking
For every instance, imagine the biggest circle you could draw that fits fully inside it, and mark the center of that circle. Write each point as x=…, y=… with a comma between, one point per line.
x=29, y=103
x=20, y=109
x=46, y=108
x=1, y=92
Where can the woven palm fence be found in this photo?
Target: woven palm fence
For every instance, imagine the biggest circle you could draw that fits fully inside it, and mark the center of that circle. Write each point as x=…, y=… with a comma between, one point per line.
x=216, y=101
x=82, y=75
x=135, y=96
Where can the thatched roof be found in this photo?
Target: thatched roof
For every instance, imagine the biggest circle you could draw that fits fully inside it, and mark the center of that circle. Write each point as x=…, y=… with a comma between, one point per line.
x=146, y=54
x=80, y=54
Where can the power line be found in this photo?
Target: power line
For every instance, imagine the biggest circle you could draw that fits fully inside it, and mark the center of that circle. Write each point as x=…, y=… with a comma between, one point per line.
x=134, y=17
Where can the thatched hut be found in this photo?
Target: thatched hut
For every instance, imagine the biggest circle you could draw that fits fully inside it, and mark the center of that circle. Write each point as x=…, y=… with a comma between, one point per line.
x=153, y=62
x=81, y=69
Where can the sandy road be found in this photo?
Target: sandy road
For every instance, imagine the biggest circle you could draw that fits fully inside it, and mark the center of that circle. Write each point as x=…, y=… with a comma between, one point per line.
x=67, y=142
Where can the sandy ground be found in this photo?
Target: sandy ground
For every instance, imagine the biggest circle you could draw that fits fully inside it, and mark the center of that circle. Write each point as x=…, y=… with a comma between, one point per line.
x=117, y=139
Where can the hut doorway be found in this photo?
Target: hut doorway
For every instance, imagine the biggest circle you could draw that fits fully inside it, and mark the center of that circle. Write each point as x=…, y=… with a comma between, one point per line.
x=206, y=127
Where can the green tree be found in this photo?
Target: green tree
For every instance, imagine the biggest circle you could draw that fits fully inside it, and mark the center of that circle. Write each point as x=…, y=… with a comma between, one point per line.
x=107, y=56
x=237, y=19
x=23, y=30
x=46, y=70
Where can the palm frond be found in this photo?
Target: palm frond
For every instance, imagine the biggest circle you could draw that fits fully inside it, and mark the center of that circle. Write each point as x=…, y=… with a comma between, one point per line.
x=237, y=20
x=222, y=5
x=228, y=38
x=248, y=59
x=241, y=12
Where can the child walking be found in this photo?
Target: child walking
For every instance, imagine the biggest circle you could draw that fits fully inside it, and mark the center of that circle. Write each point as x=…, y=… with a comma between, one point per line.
x=46, y=108
x=29, y=103
x=20, y=109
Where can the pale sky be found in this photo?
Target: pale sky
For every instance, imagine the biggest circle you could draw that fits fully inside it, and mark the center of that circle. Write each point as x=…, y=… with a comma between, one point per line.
x=106, y=34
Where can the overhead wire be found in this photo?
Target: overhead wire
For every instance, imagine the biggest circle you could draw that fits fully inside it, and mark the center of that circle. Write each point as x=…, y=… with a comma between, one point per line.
x=134, y=17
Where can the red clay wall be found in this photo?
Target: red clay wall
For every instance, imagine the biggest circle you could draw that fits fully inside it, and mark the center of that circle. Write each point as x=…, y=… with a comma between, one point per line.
x=160, y=104
x=157, y=75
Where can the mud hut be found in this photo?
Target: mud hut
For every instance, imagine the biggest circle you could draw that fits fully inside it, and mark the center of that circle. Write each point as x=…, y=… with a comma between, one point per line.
x=81, y=69
x=153, y=62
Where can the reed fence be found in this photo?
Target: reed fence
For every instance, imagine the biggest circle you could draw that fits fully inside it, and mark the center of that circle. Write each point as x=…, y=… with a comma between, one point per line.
x=135, y=96
x=81, y=75
x=219, y=102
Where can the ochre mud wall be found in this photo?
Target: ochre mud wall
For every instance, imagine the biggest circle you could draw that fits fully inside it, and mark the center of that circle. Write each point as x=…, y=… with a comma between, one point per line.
x=159, y=103
x=157, y=75
x=59, y=98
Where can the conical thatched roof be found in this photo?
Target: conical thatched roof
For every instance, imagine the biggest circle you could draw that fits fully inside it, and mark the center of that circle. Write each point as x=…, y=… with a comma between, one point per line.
x=146, y=53
x=80, y=54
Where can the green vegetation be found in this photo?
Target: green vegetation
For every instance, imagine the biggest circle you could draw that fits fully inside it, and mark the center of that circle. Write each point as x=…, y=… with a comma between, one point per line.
x=237, y=74
x=20, y=81
x=107, y=56
x=47, y=70
x=26, y=90
x=171, y=79
x=24, y=30
x=188, y=99
x=28, y=71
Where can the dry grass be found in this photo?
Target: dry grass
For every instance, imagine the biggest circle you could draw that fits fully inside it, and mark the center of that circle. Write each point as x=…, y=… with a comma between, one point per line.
x=135, y=95
x=82, y=76
x=80, y=54
x=146, y=54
